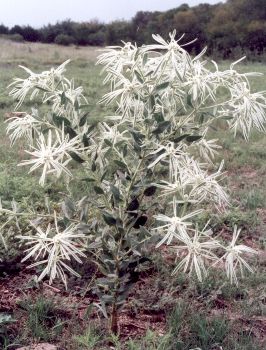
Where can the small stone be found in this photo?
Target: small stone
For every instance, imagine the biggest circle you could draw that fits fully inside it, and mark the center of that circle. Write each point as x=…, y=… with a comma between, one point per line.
x=41, y=346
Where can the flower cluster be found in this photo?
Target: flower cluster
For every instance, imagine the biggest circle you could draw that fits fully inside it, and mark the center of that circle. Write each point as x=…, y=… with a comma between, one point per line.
x=54, y=248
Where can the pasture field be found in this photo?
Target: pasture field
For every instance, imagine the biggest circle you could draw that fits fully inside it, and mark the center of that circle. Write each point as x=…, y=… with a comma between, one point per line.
x=163, y=312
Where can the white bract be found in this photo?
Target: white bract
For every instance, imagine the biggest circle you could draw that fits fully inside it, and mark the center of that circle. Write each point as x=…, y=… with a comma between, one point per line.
x=234, y=257
x=55, y=249
x=198, y=247
x=51, y=157
x=21, y=126
x=166, y=101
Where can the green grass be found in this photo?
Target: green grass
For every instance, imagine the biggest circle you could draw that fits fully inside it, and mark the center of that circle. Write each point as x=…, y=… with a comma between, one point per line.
x=188, y=308
x=42, y=320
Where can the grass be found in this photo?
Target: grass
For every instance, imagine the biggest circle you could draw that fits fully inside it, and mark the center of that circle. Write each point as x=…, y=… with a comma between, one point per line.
x=178, y=315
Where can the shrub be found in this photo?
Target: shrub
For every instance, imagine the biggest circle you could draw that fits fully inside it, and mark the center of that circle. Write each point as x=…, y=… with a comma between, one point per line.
x=16, y=37
x=150, y=166
x=63, y=39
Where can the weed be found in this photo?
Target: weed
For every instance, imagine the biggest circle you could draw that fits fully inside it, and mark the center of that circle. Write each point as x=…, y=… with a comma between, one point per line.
x=88, y=340
x=42, y=320
x=151, y=341
x=207, y=333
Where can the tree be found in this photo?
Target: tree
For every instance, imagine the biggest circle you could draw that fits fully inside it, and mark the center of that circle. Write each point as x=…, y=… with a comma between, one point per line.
x=3, y=29
x=117, y=31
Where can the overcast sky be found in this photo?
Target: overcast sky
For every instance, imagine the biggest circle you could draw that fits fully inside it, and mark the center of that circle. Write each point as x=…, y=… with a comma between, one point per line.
x=39, y=12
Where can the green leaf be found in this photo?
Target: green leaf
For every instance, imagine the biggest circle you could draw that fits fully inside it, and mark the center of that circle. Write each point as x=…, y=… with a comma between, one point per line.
x=76, y=105
x=121, y=164
x=63, y=98
x=68, y=208
x=141, y=221
x=177, y=139
x=189, y=101
x=108, y=143
x=85, y=140
x=42, y=89
x=158, y=117
x=76, y=157
x=72, y=133
x=161, y=127
x=83, y=119
x=124, y=151
x=205, y=115
x=144, y=59
x=109, y=219
x=138, y=76
x=162, y=86
x=98, y=190
x=137, y=136
x=59, y=121
x=91, y=127
x=152, y=101
x=88, y=179
x=227, y=117
x=133, y=205
x=115, y=192
x=104, y=175
x=149, y=191
x=93, y=166
x=192, y=138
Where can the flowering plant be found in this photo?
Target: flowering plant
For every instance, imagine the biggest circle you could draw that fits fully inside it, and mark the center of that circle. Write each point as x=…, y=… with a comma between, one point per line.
x=151, y=165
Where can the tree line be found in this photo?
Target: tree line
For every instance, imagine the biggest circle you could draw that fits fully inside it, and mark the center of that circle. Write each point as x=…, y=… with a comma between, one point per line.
x=228, y=29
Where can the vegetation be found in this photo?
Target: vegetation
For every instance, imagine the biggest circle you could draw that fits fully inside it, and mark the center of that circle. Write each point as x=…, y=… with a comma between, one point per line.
x=202, y=308
x=229, y=29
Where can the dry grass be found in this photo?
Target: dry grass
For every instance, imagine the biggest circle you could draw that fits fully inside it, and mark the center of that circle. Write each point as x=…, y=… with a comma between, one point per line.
x=43, y=53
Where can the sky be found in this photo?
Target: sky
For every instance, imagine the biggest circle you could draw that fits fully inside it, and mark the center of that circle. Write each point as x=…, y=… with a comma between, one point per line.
x=40, y=12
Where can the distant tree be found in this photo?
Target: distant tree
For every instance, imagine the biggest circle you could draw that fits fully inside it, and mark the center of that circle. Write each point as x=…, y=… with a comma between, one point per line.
x=64, y=39
x=89, y=33
x=117, y=31
x=256, y=36
x=16, y=30
x=49, y=33
x=139, y=26
x=3, y=29
x=186, y=22
x=30, y=34
x=97, y=39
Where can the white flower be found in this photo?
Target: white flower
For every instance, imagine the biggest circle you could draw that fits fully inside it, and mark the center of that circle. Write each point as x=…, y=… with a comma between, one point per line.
x=176, y=58
x=45, y=81
x=111, y=133
x=21, y=127
x=207, y=149
x=51, y=157
x=174, y=225
x=204, y=186
x=177, y=189
x=248, y=109
x=54, y=248
x=233, y=257
x=117, y=59
x=169, y=152
x=64, y=99
x=198, y=249
x=201, y=82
